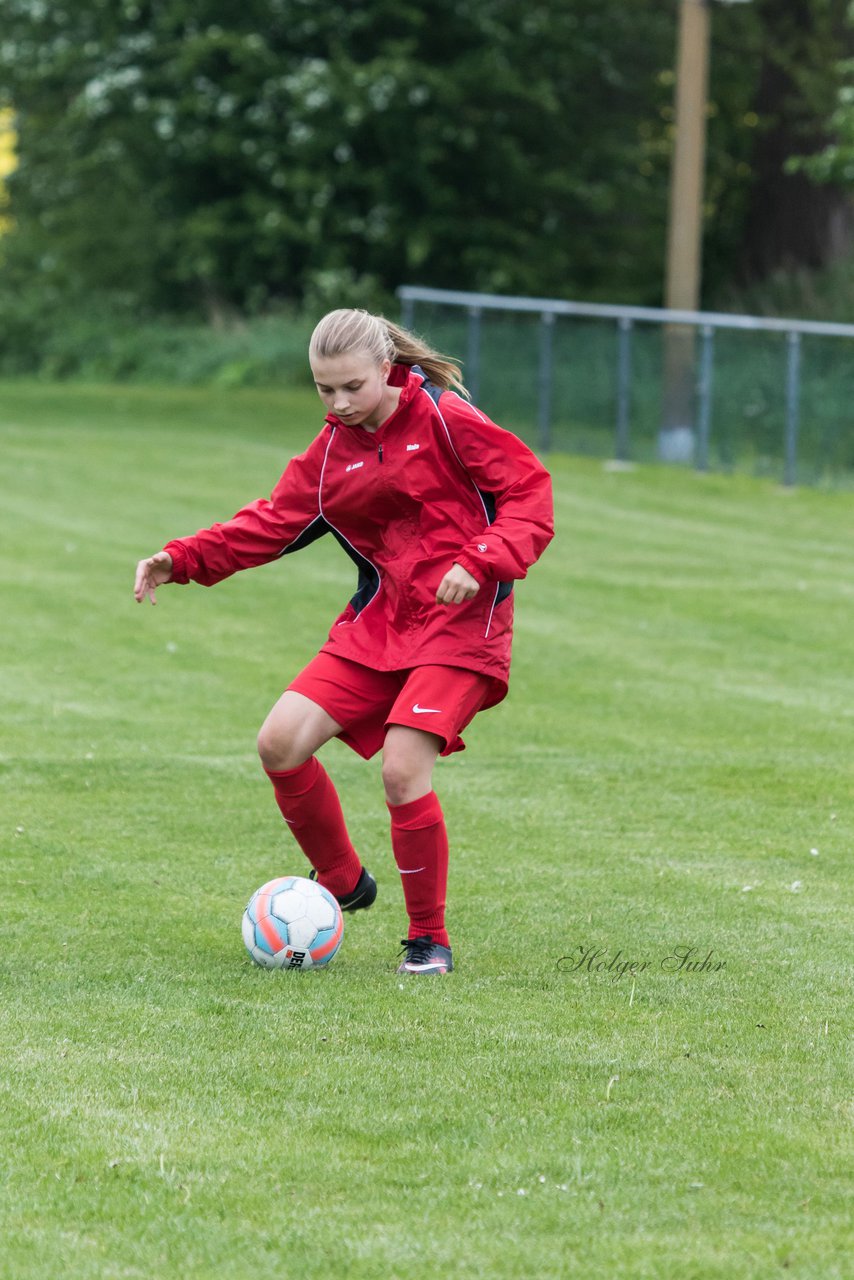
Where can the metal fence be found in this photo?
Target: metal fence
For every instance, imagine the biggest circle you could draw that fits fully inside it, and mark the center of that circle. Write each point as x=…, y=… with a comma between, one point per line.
x=770, y=395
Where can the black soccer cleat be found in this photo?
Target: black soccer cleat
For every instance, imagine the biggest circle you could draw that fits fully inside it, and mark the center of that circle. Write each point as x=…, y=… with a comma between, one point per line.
x=423, y=955
x=363, y=896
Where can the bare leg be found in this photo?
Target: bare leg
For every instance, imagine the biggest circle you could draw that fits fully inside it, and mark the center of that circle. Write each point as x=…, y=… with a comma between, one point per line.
x=409, y=756
x=295, y=728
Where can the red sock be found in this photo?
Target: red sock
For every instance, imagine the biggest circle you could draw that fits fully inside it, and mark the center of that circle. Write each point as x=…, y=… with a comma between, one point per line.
x=420, y=844
x=311, y=808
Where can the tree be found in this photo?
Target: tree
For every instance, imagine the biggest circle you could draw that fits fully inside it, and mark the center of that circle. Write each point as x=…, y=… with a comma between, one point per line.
x=188, y=155
x=797, y=215
x=834, y=162
x=206, y=153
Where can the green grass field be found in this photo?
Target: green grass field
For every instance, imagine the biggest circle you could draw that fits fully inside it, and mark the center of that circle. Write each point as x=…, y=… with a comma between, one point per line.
x=672, y=771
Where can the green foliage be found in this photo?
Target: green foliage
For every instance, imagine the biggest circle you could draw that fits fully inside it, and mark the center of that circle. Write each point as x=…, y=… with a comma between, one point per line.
x=676, y=744
x=95, y=343
x=207, y=156
x=219, y=160
x=827, y=80
x=826, y=294
x=835, y=161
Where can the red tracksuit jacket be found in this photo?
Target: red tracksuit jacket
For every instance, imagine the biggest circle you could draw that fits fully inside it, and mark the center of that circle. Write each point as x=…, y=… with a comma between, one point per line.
x=436, y=483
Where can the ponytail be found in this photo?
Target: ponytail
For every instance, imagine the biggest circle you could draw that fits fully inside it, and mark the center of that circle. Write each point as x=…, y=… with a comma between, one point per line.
x=348, y=330
x=409, y=350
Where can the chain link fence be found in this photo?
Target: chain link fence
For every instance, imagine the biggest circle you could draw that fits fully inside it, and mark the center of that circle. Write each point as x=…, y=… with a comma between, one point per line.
x=771, y=397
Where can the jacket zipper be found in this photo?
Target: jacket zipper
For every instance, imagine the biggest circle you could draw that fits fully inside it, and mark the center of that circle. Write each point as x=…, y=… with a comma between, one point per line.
x=380, y=452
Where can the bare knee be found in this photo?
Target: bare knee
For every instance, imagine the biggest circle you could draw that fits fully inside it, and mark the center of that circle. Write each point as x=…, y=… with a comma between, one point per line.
x=397, y=781
x=408, y=765
x=292, y=732
x=279, y=752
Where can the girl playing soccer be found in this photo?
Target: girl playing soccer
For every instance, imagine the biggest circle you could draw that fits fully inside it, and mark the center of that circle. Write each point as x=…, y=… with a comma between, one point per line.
x=440, y=510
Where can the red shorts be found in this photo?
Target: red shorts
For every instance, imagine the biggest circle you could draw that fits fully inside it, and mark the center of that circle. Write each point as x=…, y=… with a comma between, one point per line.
x=439, y=700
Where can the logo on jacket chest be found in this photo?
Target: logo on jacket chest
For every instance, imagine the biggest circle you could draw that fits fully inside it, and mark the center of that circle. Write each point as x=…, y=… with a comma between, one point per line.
x=354, y=466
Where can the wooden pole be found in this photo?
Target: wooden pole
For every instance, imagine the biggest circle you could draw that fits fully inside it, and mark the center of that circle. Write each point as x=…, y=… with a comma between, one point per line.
x=685, y=228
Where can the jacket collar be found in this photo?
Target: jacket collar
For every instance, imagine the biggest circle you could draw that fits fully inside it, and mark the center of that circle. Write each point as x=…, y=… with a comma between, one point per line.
x=409, y=379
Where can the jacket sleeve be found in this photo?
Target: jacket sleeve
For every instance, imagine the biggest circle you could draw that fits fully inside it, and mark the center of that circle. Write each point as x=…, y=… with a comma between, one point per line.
x=506, y=471
x=262, y=531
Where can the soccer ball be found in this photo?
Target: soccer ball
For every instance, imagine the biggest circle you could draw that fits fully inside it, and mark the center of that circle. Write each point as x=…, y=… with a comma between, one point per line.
x=292, y=923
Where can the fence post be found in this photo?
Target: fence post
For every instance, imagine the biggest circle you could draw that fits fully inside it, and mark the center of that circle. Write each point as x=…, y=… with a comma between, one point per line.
x=472, y=378
x=624, y=386
x=547, y=323
x=793, y=395
x=704, y=395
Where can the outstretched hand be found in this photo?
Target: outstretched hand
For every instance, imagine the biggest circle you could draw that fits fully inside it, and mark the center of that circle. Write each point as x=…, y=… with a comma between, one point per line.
x=152, y=573
x=457, y=586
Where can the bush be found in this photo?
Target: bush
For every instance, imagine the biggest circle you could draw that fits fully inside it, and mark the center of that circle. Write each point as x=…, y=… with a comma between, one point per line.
x=107, y=343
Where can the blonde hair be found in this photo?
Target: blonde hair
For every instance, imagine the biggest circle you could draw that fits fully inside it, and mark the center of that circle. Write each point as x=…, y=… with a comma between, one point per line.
x=346, y=330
